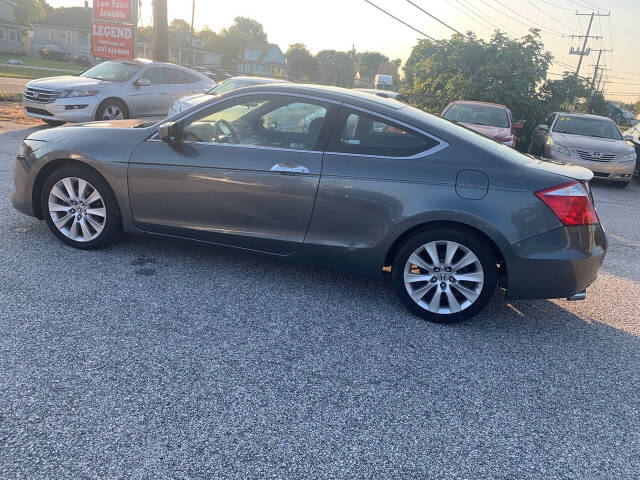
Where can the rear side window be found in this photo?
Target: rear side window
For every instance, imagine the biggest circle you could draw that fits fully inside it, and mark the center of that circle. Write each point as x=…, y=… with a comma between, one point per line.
x=173, y=75
x=365, y=134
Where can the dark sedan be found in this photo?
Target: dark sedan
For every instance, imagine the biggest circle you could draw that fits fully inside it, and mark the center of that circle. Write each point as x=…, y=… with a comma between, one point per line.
x=332, y=177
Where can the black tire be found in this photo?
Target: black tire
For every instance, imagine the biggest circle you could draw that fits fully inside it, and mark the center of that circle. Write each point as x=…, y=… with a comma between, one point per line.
x=463, y=237
x=112, y=230
x=52, y=123
x=111, y=102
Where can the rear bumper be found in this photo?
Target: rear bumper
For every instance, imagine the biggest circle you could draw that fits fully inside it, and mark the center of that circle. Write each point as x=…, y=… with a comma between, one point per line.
x=556, y=264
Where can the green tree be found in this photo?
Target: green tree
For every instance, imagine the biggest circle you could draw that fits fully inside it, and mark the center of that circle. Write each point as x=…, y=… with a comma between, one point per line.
x=504, y=70
x=598, y=105
x=392, y=68
x=369, y=62
x=179, y=25
x=30, y=11
x=230, y=42
x=301, y=63
x=251, y=28
x=336, y=68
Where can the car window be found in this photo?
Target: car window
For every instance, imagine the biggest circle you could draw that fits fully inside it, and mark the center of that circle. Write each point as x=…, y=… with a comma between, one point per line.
x=362, y=133
x=154, y=75
x=586, y=126
x=175, y=76
x=477, y=114
x=262, y=120
x=192, y=78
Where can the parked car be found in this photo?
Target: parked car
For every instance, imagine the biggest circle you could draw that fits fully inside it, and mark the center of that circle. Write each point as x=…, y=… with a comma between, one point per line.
x=112, y=90
x=15, y=61
x=84, y=59
x=590, y=141
x=633, y=135
x=368, y=183
x=54, y=52
x=226, y=86
x=489, y=119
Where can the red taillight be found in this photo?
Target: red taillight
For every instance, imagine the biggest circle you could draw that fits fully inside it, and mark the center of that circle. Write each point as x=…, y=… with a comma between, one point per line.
x=571, y=203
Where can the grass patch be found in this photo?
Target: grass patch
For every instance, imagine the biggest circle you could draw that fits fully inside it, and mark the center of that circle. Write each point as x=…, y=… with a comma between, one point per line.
x=10, y=97
x=41, y=62
x=22, y=72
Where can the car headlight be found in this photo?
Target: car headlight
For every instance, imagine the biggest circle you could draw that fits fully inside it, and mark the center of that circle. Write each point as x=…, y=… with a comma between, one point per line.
x=561, y=149
x=78, y=93
x=27, y=147
x=628, y=157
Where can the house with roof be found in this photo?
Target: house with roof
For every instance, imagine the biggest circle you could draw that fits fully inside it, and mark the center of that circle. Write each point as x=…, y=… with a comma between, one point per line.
x=262, y=58
x=183, y=50
x=68, y=28
x=11, y=32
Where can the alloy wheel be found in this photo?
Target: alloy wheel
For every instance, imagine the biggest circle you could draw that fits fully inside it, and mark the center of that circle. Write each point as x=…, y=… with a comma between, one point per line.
x=77, y=209
x=443, y=277
x=112, y=112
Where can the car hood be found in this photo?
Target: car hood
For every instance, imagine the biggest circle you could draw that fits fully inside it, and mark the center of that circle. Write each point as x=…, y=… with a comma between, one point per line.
x=591, y=143
x=497, y=133
x=83, y=130
x=66, y=82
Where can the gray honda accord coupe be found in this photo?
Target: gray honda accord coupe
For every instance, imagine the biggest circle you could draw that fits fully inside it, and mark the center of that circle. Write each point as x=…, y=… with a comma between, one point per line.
x=336, y=178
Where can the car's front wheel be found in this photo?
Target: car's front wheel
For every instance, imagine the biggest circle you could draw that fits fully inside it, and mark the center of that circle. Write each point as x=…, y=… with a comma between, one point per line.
x=445, y=275
x=112, y=109
x=80, y=208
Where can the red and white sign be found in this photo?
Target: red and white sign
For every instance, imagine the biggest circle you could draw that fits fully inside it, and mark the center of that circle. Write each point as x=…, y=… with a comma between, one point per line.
x=112, y=40
x=114, y=10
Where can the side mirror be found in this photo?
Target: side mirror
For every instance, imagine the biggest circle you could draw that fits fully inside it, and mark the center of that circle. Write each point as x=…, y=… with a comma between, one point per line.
x=142, y=82
x=628, y=138
x=169, y=132
x=543, y=127
x=517, y=126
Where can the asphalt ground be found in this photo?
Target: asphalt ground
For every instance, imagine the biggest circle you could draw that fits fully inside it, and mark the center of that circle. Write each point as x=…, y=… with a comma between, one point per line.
x=164, y=359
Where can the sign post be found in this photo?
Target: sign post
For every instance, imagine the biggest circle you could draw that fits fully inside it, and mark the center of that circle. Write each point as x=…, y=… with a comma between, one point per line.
x=113, y=29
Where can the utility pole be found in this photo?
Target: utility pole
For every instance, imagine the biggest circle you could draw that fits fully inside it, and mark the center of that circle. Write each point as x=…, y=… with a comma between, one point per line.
x=160, y=31
x=600, y=80
x=595, y=71
x=584, y=52
x=193, y=13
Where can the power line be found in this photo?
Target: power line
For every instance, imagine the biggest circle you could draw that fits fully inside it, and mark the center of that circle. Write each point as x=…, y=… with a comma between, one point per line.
x=459, y=8
x=401, y=21
x=484, y=18
x=436, y=18
x=557, y=6
x=550, y=16
x=547, y=30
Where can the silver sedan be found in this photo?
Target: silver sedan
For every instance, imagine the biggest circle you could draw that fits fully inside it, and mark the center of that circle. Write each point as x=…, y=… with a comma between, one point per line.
x=112, y=90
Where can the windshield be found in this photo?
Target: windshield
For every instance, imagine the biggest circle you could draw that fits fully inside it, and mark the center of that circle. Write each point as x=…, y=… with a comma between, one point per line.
x=229, y=85
x=112, y=71
x=588, y=127
x=478, y=115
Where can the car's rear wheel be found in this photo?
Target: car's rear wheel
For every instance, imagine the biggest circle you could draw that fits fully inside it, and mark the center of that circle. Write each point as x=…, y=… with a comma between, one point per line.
x=445, y=275
x=80, y=208
x=112, y=109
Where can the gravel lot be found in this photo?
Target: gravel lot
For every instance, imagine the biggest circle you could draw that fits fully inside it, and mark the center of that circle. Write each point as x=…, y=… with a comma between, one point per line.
x=162, y=359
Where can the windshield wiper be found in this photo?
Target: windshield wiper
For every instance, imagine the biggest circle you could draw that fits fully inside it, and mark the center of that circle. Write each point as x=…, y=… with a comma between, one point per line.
x=144, y=125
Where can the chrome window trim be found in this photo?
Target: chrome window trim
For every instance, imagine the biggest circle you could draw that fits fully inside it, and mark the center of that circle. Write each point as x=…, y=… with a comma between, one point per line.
x=442, y=144
x=235, y=145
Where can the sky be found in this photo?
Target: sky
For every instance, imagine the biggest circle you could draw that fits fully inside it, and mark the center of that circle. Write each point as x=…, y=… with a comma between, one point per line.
x=341, y=24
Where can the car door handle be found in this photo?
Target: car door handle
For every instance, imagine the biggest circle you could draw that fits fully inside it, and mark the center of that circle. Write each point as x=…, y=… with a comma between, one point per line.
x=286, y=167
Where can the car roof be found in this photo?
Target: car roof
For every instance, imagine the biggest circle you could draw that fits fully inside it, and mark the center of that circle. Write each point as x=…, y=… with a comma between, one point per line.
x=477, y=102
x=331, y=93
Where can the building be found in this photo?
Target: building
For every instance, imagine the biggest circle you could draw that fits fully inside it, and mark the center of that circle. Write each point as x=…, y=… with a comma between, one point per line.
x=11, y=33
x=182, y=50
x=261, y=58
x=69, y=29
